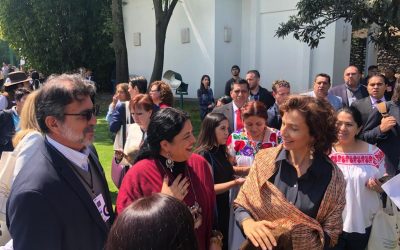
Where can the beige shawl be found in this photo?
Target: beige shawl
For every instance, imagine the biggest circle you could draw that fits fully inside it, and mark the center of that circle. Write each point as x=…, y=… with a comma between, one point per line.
x=265, y=202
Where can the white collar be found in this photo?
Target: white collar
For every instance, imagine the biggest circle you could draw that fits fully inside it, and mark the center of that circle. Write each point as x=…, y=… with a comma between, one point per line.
x=78, y=158
x=234, y=106
x=14, y=110
x=374, y=100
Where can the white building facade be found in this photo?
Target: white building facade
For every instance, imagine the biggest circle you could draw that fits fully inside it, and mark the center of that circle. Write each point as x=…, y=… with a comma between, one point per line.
x=209, y=36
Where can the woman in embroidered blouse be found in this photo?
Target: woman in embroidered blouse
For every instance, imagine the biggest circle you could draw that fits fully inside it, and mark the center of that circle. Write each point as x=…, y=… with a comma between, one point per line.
x=166, y=164
x=212, y=146
x=243, y=145
x=294, y=196
x=362, y=164
x=205, y=96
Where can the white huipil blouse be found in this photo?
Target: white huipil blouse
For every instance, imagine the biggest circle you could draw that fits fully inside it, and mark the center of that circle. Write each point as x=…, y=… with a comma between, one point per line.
x=362, y=203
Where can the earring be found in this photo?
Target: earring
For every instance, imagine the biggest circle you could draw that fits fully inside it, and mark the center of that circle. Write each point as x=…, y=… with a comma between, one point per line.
x=169, y=163
x=312, y=150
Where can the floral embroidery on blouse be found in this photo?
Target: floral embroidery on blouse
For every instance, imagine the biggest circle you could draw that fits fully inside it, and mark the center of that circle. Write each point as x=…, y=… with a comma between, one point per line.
x=374, y=159
x=243, y=146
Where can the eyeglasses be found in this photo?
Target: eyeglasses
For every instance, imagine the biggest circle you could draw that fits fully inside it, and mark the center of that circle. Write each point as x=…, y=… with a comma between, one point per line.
x=87, y=114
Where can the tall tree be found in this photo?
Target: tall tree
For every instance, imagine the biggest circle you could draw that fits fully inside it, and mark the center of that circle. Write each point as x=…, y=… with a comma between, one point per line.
x=119, y=43
x=59, y=36
x=163, y=10
x=314, y=16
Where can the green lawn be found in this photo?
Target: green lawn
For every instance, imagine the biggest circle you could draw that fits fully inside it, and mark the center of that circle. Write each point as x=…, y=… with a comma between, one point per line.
x=104, y=143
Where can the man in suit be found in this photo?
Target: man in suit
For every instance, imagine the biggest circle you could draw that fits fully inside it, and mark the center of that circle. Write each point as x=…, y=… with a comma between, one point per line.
x=376, y=87
x=61, y=199
x=281, y=92
x=258, y=93
x=351, y=89
x=322, y=83
x=239, y=94
x=384, y=131
x=9, y=120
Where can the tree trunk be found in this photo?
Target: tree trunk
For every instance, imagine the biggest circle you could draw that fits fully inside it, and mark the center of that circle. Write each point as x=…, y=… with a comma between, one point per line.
x=119, y=43
x=163, y=10
x=161, y=31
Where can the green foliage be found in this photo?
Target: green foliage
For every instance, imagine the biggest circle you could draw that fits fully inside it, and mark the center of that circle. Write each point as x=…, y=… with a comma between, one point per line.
x=315, y=15
x=6, y=52
x=58, y=36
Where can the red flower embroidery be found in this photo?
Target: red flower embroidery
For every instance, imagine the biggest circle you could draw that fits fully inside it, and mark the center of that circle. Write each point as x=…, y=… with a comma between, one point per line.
x=239, y=145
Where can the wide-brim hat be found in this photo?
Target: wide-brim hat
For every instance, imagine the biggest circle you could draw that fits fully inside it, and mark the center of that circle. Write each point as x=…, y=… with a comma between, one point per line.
x=16, y=77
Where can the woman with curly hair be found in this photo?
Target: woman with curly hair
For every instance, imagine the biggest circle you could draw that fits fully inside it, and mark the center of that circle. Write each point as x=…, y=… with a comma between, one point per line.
x=294, y=196
x=161, y=94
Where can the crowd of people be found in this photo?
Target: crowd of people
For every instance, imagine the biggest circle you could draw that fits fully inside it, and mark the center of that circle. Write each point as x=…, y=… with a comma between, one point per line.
x=269, y=169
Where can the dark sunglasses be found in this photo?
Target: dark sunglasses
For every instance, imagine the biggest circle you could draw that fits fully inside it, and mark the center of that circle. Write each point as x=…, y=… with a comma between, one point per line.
x=88, y=114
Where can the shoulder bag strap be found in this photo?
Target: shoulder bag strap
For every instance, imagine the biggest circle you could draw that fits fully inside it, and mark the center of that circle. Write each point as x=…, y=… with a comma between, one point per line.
x=127, y=115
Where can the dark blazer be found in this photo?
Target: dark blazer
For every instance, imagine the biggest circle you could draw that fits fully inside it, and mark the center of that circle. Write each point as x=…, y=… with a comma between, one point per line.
x=118, y=117
x=7, y=130
x=341, y=91
x=266, y=97
x=388, y=142
x=49, y=208
x=365, y=107
x=227, y=110
x=274, y=118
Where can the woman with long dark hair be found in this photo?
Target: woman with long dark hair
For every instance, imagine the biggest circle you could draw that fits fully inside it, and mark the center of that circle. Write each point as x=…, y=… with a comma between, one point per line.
x=212, y=146
x=158, y=221
x=205, y=96
x=166, y=164
x=361, y=164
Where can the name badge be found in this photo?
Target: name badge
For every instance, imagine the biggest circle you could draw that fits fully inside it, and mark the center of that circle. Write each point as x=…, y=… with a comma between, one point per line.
x=101, y=206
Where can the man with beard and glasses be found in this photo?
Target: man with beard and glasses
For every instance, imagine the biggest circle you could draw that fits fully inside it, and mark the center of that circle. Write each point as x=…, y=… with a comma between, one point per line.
x=61, y=200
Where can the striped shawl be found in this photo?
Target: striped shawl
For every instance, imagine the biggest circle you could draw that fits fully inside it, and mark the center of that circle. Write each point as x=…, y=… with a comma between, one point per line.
x=265, y=202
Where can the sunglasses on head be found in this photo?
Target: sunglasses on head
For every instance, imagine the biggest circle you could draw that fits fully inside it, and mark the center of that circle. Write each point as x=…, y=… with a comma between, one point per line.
x=87, y=114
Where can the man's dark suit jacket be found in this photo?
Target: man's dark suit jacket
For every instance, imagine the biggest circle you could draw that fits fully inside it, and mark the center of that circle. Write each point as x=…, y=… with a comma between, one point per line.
x=388, y=142
x=50, y=209
x=365, y=107
x=341, y=91
x=274, y=117
x=266, y=97
x=227, y=110
x=7, y=130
